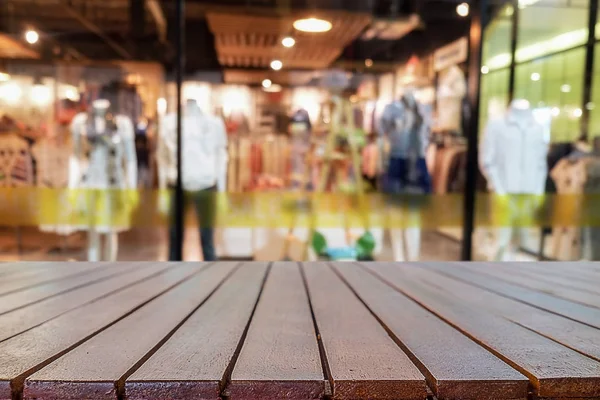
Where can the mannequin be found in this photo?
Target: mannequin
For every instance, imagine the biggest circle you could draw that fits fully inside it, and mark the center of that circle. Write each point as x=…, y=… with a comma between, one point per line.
x=451, y=92
x=204, y=167
x=103, y=177
x=513, y=159
x=407, y=128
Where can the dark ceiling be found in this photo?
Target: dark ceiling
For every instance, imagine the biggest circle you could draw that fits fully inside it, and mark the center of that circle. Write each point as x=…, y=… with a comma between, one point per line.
x=134, y=29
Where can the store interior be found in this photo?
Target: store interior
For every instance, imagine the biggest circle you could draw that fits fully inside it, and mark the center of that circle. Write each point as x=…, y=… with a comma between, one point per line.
x=303, y=98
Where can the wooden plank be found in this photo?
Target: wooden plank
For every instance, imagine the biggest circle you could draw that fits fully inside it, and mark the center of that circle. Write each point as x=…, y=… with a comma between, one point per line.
x=91, y=372
x=574, y=295
x=190, y=366
x=363, y=360
x=564, y=275
x=25, y=269
x=554, y=370
x=454, y=365
x=25, y=354
x=572, y=334
x=25, y=297
x=578, y=312
x=53, y=273
x=18, y=321
x=280, y=357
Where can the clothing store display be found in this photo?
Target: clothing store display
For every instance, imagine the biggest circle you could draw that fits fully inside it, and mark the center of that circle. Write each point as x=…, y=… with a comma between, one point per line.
x=452, y=88
x=204, y=167
x=513, y=154
x=104, y=166
x=513, y=159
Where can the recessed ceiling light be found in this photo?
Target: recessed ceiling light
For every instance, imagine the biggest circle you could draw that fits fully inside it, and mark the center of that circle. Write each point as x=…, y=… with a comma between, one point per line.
x=276, y=65
x=462, y=9
x=369, y=63
x=485, y=69
x=32, y=36
x=288, y=42
x=577, y=113
x=267, y=83
x=535, y=77
x=313, y=25
x=565, y=88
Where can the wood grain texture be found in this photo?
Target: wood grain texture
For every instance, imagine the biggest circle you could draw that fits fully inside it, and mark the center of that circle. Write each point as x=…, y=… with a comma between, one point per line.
x=578, y=312
x=563, y=274
x=572, y=334
x=17, y=321
x=34, y=294
x=280, y=356
x=89, y=369
x=455, y=366
x=554, y=370
x=50, y=273
x=24, y=354
x=192, y=363
x=364, y=361
x=561, y=291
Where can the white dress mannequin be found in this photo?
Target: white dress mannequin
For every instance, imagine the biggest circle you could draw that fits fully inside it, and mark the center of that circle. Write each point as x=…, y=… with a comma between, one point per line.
x=103, y=176
x=513, y=158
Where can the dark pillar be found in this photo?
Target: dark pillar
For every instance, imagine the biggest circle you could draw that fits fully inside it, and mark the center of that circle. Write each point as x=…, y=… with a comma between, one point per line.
x=479, y=14
x=137, y=18
x=179, y=71
x=589, y=68
x=514, y=39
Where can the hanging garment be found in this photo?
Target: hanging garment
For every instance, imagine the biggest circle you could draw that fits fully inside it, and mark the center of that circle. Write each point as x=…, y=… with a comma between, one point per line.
x=452, y=90
x=404, y=127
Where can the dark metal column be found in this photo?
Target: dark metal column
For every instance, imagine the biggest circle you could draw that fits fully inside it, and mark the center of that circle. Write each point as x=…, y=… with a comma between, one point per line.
x=514, y=39
x=479, y=14
x=589, y=68
x=179, y=71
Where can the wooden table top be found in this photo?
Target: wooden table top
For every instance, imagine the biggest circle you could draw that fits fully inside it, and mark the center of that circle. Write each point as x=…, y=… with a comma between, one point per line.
x=155, y=331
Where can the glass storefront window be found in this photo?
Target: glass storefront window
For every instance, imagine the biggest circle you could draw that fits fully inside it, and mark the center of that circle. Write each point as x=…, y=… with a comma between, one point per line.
x=496, y=45
x=555, y=82
x=550, y=26
x=594, y=105
x=494, y=96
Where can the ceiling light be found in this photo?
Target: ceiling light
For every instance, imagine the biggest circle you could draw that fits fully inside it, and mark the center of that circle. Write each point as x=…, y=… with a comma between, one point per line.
x=462, y=9
x=535, y=77
x=288, y=42
x=565, y=88
x=32, y=36
x=577, y=113
x=4, y=77
x=276, y=65
x=369, y=63
x=267, y=83
x=485, y=69
x=590, y=106
x=555, y=111
x=313, y=25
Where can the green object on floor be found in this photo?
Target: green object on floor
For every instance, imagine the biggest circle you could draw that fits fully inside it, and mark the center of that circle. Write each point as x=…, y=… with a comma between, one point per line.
x=319, y=243
x=365, y=245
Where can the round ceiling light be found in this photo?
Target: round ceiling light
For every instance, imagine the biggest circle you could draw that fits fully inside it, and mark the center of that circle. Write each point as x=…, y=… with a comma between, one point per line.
x=462, y=9
x=313, y=25
x=288, y=42
x=32, y=36
x=276, y=65
x=267, y=83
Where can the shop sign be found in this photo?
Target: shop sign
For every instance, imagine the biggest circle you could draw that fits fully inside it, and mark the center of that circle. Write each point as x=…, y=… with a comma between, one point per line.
x=452, y=54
